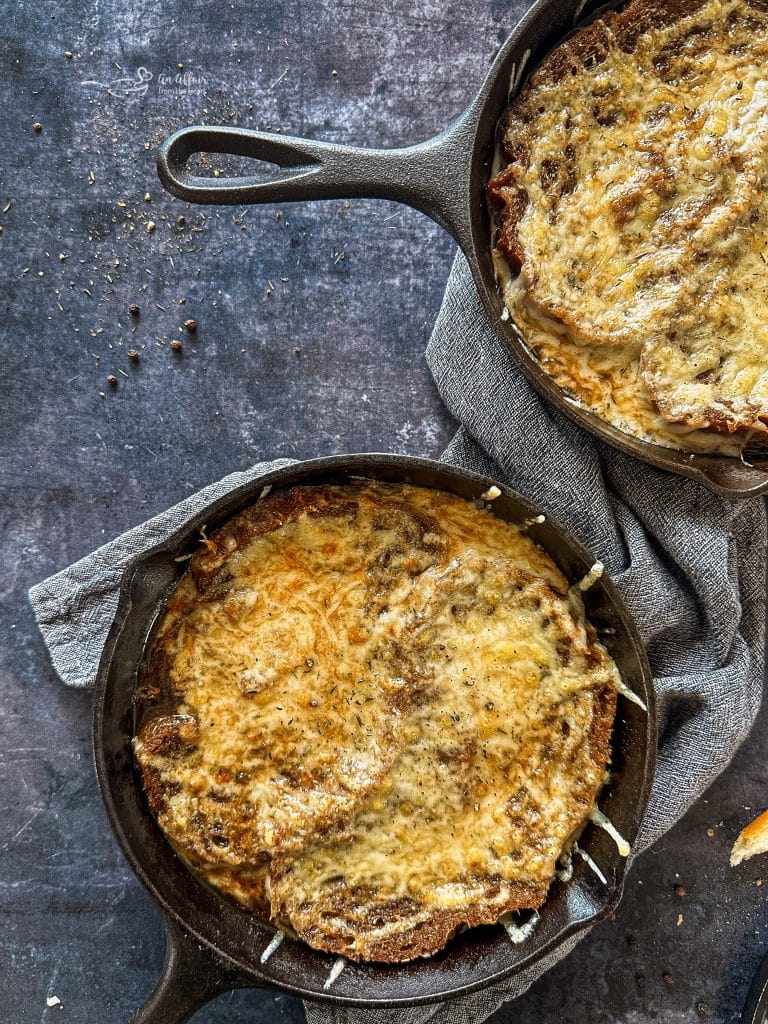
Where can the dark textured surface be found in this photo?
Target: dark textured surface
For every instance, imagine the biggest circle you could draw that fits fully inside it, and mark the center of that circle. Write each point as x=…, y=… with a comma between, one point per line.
x=310, y=339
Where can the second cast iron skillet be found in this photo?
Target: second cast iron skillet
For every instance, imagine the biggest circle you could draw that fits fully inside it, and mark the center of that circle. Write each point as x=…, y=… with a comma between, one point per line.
x=214, y=945
x=445, y=178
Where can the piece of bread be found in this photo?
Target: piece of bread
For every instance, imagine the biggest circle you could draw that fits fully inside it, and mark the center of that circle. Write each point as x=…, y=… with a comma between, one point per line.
x=376, y=713
x=506, y=749
x=634, y=210
x=246, y=764
x=751, y=840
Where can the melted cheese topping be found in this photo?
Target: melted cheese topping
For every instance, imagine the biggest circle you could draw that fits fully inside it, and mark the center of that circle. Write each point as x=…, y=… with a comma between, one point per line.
x=649, y=170
x=386, y=704
x=496, y=771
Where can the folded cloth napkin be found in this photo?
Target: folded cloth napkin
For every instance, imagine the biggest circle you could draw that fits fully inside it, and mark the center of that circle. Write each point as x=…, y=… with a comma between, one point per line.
x=690, y=565
x=76, y=607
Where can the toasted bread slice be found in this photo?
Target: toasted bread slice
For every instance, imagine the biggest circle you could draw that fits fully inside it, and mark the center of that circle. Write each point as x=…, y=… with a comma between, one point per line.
x=376, y=713
x=505, y=749
x=275, y=633
x=710, y=369
x=632, y=209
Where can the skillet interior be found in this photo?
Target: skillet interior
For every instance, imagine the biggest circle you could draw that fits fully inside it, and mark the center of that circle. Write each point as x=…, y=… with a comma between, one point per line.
x=473, y=959
x=545, y=26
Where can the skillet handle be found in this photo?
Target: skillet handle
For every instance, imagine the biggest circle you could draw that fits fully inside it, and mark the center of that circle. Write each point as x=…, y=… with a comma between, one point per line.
x=192, y=975
x=431, y=177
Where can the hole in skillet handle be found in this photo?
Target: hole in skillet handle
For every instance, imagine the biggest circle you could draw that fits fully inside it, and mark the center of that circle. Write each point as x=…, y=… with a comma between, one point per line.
x=211, y=167
x=287, y=165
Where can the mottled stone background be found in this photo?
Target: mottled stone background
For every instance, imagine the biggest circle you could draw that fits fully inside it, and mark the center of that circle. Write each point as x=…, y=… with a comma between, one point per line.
x=312, y=325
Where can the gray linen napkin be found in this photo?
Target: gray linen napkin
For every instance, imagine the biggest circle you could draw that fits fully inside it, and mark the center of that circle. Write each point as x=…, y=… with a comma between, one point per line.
x=690, y=565
x=76, y=607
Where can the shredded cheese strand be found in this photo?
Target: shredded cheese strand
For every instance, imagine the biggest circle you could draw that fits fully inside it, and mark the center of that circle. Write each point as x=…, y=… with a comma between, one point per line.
x=272, y=947
x=597, y=816
x=334, y=972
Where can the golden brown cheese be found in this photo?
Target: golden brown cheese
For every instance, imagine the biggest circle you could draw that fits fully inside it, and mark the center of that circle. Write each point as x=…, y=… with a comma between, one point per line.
x=503, y=756
x=380, y=712
x=634, y=211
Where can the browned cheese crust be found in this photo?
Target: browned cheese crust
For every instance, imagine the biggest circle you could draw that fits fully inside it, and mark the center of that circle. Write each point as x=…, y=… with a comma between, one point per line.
x=376, y=713
x=633, y=219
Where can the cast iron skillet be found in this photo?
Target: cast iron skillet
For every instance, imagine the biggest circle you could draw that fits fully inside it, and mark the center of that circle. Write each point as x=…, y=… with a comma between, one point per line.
x=214, y=946
x=445, y=178
x=756, y=1008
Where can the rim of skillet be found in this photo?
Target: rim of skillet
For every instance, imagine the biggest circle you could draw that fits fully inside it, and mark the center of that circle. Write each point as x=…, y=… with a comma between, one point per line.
x=212, y=925
x=727, y=476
